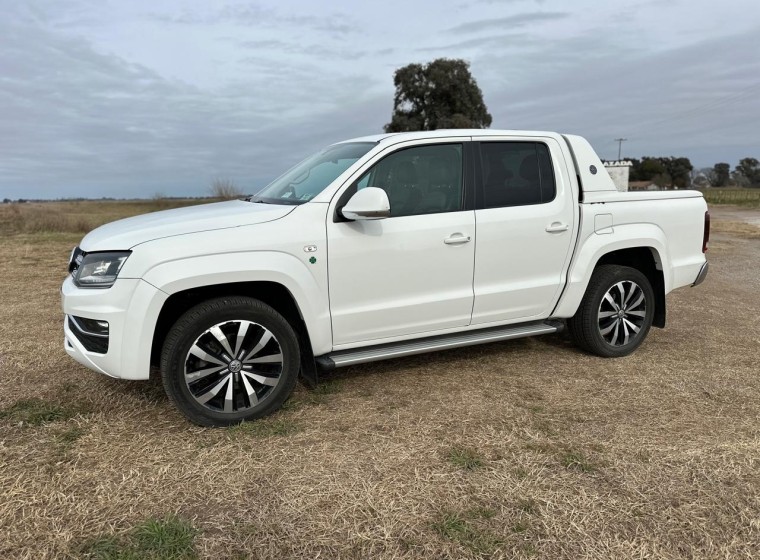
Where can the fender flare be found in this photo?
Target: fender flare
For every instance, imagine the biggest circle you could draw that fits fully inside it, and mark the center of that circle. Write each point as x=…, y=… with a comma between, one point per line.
x=281, y=268
x=595, y=246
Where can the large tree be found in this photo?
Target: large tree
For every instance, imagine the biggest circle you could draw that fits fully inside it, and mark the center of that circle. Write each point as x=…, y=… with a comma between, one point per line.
x=440, y=94
x=721, y=173
x=665, y=171
x=749, y=169
x=646, y=169
x=679, y=169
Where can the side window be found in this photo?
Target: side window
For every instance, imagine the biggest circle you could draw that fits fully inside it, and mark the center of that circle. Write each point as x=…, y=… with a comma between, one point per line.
x=516, y=174
x=419, y=180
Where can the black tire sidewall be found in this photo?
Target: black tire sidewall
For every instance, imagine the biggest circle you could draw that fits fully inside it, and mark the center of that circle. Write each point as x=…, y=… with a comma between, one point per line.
x=605, y=278
x=200, y=318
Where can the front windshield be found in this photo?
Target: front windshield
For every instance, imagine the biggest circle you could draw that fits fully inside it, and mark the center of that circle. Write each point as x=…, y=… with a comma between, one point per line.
x=310, y=177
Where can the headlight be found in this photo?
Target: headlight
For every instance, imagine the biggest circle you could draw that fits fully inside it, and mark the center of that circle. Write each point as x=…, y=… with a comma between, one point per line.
x=99, y=270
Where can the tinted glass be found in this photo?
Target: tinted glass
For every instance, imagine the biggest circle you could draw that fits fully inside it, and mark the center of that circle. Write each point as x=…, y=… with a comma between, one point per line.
x=310, y=177
x=516, y=174
x=420, y=180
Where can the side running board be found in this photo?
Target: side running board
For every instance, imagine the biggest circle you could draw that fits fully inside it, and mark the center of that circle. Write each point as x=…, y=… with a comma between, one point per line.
x=432, y=344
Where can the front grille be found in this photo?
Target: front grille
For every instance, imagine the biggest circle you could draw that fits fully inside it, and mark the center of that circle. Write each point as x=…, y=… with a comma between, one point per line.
x=91, y=333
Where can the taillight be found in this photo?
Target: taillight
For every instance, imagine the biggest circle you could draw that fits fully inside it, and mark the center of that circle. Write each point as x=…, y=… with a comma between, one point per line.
x=706, y=236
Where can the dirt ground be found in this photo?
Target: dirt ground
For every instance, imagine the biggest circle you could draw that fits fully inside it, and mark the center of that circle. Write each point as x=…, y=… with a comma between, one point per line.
x=525, y=448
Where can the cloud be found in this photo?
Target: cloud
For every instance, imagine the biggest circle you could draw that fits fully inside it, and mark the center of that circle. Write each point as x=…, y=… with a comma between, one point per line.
x=311, y=50
x=693, y=100
x=508, y=22
x=255, y=15
x=111, y=100
x=503, y=41
x=75, y=122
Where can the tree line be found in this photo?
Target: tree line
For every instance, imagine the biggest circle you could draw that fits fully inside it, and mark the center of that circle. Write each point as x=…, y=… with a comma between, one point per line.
x=673, y=172
x=746, y=174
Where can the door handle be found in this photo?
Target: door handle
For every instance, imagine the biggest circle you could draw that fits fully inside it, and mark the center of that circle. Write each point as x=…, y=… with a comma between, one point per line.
x=557, y=227
x=456, y=239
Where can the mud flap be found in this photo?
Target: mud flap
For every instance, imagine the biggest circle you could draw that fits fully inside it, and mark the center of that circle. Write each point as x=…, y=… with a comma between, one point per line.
x=309, y=374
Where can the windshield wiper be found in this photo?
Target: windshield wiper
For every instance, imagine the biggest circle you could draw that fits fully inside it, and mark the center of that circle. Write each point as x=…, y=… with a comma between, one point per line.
x=253, y=198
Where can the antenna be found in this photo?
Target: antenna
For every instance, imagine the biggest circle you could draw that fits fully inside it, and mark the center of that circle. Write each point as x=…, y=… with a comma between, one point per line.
x=620, y=145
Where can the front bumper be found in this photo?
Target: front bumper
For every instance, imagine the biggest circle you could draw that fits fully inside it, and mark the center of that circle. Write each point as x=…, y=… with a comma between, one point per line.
x=702, y=274
x=131, y=308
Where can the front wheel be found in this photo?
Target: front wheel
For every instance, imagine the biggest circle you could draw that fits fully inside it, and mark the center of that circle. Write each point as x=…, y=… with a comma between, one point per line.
x=228, y=360
x=616, y=312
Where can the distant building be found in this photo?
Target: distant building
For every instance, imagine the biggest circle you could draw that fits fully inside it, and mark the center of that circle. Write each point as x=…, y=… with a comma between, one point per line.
x=619, y=171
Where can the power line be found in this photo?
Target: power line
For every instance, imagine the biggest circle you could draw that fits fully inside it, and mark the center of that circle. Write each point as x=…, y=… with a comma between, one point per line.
x=689, y=112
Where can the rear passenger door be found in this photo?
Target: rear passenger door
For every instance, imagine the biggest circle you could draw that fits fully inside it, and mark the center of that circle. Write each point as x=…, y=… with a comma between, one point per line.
x=525, y=221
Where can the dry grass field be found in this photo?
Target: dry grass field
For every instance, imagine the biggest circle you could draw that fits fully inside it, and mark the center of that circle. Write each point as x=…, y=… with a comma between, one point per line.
x=735, y=196
x=521, y=449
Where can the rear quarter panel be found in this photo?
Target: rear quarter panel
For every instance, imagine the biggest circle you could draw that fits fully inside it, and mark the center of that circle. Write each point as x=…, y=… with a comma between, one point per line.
x=671, y=224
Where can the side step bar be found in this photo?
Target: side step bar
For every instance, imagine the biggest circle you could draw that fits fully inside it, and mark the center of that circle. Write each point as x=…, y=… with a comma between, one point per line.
x=431, y=344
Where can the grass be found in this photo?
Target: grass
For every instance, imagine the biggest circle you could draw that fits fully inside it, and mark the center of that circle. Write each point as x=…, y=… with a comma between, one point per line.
x=35, y=412
x=329, y=387
x=749, y=198
x=78, y=216
x=509, y=450
x=264, y=428
x=577, y=460
x=320, y=395
x=465, y=458
x=527, y=505
x=456, y=528
x=166, y=538
x=70, y=436
x=480, y=512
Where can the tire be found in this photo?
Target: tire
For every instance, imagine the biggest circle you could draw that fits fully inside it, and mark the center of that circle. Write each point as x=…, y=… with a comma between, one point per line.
x=609, y=322
x=228, y=360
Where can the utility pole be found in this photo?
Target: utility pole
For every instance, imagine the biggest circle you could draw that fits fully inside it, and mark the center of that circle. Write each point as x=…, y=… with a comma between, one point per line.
x=620, y=145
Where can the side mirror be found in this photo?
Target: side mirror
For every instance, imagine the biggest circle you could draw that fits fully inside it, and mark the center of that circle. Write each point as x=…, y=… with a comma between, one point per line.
x=369, y=203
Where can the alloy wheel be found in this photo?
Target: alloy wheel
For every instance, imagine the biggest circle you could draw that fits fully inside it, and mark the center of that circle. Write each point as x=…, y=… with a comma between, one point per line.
x=233, y=366
x=622, y=313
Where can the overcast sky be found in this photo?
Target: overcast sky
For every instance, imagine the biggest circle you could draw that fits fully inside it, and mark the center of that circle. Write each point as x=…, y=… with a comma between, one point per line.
x=130, y=99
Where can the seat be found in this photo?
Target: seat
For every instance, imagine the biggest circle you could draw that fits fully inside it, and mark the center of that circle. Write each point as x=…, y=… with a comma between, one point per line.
x=401, y=189
x=527, y=188
x=444, y=190
x=496, y=183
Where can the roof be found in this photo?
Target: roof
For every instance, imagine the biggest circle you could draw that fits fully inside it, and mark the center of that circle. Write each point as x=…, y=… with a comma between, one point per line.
x=402, y=136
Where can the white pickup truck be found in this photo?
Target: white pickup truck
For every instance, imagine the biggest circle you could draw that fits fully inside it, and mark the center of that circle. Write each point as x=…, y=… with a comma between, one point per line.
x=374, y=248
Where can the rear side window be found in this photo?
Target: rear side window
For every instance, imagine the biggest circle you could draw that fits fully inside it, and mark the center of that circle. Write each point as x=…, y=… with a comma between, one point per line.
x=516, y=174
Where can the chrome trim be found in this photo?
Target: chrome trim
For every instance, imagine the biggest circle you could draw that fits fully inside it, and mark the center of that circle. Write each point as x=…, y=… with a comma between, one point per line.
x=457, y=240
x=446, y=342
x=82, y=330
x=366, y=214
x=702, y=274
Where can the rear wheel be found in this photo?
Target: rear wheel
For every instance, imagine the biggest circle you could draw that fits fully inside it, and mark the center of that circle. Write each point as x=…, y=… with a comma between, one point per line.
x=228, y=360
x=616, y=312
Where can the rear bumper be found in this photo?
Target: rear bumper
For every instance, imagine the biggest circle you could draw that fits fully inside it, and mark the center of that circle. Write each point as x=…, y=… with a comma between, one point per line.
x=702, y=274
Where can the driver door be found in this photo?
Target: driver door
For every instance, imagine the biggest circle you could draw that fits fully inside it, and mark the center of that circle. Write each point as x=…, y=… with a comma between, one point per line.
x=410, y=273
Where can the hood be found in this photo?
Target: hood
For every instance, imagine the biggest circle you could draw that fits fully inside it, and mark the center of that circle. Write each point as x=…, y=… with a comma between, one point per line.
x=125, y=234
